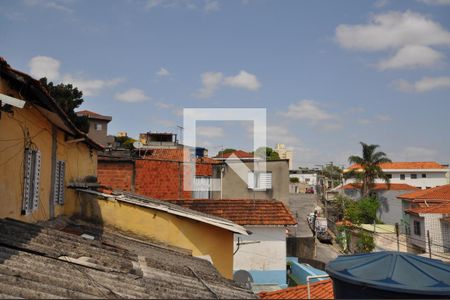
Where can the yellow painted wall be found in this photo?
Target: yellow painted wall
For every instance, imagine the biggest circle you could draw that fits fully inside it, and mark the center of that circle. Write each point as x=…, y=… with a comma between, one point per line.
x=80, y=161
x=200, y=238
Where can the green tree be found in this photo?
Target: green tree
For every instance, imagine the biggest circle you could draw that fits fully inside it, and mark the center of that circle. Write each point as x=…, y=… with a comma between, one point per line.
x=125, y=141
x=369, y=167
x=365, y=242
x=333, y=172
x=293, y=179
x=267, y=153
x=363, y=211
x=68, y=98
x=225, y=151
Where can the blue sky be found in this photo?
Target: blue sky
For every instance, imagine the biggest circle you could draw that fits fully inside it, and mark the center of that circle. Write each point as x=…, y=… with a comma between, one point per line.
x=330, y=73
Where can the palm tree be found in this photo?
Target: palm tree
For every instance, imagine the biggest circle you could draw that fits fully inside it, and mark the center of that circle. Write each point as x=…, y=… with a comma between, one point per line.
x=369, y=169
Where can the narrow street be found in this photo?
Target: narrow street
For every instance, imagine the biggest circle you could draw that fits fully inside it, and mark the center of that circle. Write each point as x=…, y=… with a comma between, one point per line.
x=301, y=205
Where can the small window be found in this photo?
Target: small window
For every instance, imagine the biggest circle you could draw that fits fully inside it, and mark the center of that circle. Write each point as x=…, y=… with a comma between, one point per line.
x=413, y=176
x=98, y=126
x=402, y=176
x=424, y=175
x=417, y=228
x=389, y=176
x=259, y=181
x=58, y=192
x=32, y=169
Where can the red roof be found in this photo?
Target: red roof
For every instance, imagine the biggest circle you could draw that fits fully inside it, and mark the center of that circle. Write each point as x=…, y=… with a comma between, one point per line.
x=243, y=211
x=406, y=165
x=238, y=153
x=318, y=290
x=93, y=115
x=440, y=193
x=434, y=209
x=382, y=186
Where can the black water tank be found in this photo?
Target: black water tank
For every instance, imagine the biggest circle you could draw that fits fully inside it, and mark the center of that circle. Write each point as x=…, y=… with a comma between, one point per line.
x=389, y=275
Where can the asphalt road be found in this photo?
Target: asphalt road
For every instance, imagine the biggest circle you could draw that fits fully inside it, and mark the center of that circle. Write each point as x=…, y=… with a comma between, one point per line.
x=301, y=205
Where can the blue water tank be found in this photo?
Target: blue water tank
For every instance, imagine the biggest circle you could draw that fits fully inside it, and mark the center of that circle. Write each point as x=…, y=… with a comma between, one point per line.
x=389, y=275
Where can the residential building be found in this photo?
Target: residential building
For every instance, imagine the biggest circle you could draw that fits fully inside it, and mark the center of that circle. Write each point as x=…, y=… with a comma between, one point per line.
x=41, y=151
x=309, y=178
x=122, y=134
x=390, y=210
x=317, y=290
x=204, y=235
x=271, y=184
x=285, y=153
x=261, y=256
x=159, y=140
x=98, y=127
x=73, y=259
x=236, y=154
x=423, y=175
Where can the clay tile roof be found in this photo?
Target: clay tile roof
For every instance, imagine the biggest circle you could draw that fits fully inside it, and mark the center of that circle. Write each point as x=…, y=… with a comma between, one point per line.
x=318, y=290
x=382, y=186
x=93, y=115
x=406, y=165
x=243, y=211
x=238, y=153
x=434, y=209
x=440, y=193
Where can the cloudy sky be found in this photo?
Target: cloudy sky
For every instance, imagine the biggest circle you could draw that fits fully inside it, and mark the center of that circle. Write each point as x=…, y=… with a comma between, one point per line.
x=329, y=73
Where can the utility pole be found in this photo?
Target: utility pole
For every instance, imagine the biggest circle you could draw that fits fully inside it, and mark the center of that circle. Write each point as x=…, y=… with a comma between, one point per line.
x=397, y=233
x=429, y=242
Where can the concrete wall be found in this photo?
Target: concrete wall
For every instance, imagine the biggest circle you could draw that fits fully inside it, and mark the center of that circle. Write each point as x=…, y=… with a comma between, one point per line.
x=200, y=238
x=415, y=239
x=80, y=161
x=233, y=187
x=100, y=136
x=310, y=179
x=266, y=260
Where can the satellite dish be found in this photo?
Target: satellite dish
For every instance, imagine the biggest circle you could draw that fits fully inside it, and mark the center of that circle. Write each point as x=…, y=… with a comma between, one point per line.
x=244, y=278
x=138, y=145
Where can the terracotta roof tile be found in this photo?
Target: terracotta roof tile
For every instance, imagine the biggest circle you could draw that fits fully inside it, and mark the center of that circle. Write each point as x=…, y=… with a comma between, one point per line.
x=243, y=211
x=382, y=186
x=238, y=153
x=318, y=290
x=406, y=165
x=440, y=193
x=91, y=114
x=434, y=209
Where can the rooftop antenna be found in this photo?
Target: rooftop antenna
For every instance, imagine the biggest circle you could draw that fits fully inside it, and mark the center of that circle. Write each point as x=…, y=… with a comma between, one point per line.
x=180, y=128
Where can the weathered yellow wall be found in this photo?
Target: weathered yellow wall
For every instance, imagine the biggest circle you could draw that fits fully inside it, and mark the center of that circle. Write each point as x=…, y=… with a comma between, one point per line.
x=80, y=161
x=200, y=238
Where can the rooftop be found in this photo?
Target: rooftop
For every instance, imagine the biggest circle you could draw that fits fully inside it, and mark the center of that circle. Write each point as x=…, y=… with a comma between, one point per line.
x=318, y=290
x=237, y=153
x=413, y=165
x=93, y=115
x=434, y=209
x=382, y=186
x=243, y=211
x=55, y=261
x=440, y=193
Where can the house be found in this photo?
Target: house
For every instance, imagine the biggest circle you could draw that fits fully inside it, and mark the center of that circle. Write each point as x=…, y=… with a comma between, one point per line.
x=285, y=153
x=317, y=290
x=423, y=175
x=156, y=173
x=204, y=235
x=73, y=259
x=159, y=140
x=391, y=209
x=271, y=184
x=98, y=127
x=261, y=257
x=41, y=150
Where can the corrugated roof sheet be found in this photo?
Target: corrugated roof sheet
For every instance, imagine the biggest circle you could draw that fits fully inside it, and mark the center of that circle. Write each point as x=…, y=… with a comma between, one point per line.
x=318, y=290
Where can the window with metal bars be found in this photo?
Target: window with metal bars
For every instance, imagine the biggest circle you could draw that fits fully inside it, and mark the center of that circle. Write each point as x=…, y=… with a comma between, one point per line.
x=58, y=192
x=259, y=180
x=32, y=174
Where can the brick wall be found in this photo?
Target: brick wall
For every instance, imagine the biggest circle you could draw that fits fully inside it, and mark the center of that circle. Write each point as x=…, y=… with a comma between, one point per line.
x=117, y=175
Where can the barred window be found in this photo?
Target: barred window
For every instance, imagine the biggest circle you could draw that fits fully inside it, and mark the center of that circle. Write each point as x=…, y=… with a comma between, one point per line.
x=31, y=180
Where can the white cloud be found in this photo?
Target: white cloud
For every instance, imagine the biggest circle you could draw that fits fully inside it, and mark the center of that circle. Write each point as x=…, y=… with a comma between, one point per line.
x=44, y=66
x=424, y=85
x=203, y=5
x=279, y=134
x=383, y=118
x=90, y=87
x=60, y=5
x=435, y=2
x=380, y=3
x=211, y=5
x=412, y=56
x=163, y=72
x=210, y=131
x=307, y=110
x=163, y=105
x=413, y=153
x=243, y=80
x=210, y=83
x=411, y=34
x=132, y=96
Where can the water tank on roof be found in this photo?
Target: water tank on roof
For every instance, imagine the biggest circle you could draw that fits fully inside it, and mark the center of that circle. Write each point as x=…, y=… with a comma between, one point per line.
x=389, y=275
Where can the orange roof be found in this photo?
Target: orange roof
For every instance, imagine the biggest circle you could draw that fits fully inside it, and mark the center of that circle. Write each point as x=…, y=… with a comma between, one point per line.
x=91, y=114
x=238, y=153
x=382, y=186
x=434, y=209
x=440, y=193
x=318, y=290
x=406, y=165
x=243, y=211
